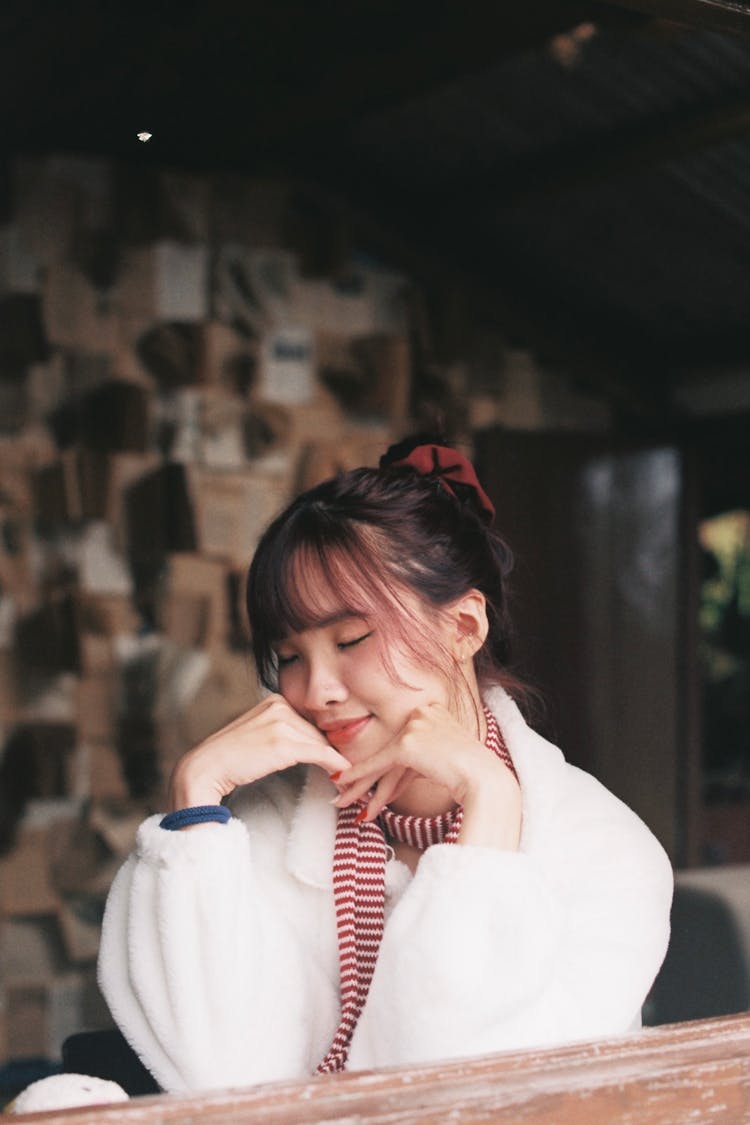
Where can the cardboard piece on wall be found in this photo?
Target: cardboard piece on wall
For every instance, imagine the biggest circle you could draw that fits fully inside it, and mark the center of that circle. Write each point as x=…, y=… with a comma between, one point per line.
x=101, y=771
x=56, y=195
x=386, y=362
x=268, y=429
x=80, y=863
x=10, y=700
x=222, y=422
x=249, y=212
x=287, y=373
x=208, y=428
x=124, y=470
x=95, y=710
x=184, y=618
x=30, y=949
x=117, y=822
x=23, y=339
x=25, y=884
x=112, y=418
x=97, y=653
x=47, y=638
x=195, y=609
x=159, y=513
x=71, y=489
x=34, y=761
x=138, y=751
x=232, y=509
x=101, y=618
x=172, y=353
x=19, y=268
x=165, y=281
x=51, y=500
x=80, y=921
x=16, y=577
x=228, y=359
x=46, y=386
x=320, y=460
x=42, y=1016
x=228, y=689
x=101, y=569
x=187, y=202
x=27, y=1019
x=14, y=407
x=76, y=316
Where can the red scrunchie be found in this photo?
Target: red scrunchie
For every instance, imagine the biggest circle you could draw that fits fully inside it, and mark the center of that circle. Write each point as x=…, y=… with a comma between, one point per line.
x=448, y=465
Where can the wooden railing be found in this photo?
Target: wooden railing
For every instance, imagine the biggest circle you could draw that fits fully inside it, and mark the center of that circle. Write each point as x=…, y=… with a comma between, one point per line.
x=681, y=1074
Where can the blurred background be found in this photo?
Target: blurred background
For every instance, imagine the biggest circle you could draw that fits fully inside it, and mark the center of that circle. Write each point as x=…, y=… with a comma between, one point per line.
x=245, y=245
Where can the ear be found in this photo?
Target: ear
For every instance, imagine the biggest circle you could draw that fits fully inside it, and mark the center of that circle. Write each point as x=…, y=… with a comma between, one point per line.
x=468, y=624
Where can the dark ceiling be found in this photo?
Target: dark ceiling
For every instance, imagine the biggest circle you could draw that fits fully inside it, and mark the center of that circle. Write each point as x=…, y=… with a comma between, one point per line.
x=588, y=164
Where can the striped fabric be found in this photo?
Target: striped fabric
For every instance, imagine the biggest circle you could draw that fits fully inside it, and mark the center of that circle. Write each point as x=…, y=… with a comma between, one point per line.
x=359, y=860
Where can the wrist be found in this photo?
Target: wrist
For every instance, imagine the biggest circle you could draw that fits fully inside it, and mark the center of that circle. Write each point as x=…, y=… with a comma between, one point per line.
x=492, y=811
x=188, y=789
x=487, y=784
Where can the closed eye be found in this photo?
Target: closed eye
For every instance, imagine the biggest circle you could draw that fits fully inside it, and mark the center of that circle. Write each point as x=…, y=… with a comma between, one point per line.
x=355, y=641
x=285, y=661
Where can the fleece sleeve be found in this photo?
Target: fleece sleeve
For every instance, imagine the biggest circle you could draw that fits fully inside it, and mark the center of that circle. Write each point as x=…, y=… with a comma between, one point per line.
x=200, y=966
x=491, y=950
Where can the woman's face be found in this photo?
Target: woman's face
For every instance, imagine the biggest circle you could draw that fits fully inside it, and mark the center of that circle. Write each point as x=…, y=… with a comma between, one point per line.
x=335, y=676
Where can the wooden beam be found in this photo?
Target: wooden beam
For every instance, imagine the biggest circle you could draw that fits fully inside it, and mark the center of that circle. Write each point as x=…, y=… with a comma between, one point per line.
x=729, y=16
x=620, y=152
x=413, y=49
x=661, y=1076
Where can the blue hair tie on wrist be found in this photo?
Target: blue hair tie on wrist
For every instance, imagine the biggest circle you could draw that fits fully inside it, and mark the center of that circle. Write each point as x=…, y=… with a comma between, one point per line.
x=199, y=814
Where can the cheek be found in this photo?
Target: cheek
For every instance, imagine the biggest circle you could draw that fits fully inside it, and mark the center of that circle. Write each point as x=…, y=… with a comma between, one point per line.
x=289, y=687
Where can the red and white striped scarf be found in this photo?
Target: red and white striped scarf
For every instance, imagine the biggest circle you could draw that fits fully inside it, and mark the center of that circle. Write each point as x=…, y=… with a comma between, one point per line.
x=359, y=859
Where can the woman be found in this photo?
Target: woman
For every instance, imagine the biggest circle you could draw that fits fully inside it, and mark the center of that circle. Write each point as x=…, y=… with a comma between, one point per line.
x=380, y=863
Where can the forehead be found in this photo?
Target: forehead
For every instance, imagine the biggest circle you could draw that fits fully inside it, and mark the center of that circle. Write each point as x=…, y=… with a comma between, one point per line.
x=315, y=592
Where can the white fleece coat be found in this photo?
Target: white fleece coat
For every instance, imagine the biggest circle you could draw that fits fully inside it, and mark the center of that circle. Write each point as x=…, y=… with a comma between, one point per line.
x=219, y=956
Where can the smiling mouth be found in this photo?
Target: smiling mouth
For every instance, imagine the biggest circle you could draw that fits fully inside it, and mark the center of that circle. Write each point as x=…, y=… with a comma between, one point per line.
x=344, y=733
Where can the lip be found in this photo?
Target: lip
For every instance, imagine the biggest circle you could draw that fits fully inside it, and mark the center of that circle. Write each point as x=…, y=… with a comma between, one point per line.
x=341, y=734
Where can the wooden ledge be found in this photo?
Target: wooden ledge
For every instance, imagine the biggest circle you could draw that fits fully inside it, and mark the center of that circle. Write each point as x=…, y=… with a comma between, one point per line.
x=690, y=1072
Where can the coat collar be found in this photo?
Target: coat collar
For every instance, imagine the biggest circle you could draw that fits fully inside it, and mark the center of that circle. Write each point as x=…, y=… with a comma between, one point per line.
x=309, y=854
x=538, y=763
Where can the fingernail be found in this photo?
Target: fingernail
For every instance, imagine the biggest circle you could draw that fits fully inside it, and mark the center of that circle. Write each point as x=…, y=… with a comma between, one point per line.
x=335, y=776
x=361, y=815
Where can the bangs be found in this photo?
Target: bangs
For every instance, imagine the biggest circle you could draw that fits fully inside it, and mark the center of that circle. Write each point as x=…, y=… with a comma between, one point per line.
x=311, y=588
x=305, y=576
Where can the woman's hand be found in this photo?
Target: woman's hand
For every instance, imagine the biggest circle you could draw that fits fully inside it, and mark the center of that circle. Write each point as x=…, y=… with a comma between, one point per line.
x=432, y=744
x=266, y=739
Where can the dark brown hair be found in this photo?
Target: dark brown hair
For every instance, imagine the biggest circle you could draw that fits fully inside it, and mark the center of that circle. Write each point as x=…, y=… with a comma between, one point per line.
x=376, y=535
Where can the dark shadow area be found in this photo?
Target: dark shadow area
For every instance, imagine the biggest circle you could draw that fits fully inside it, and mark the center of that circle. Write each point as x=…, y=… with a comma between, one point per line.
x=107, y=1054
x=705, y=971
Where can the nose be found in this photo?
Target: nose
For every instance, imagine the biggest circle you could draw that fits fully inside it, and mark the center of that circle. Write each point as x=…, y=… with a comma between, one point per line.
x=324, y=686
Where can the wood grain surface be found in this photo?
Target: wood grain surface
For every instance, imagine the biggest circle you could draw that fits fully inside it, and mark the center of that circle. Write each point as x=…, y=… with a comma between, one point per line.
x=673, y=1075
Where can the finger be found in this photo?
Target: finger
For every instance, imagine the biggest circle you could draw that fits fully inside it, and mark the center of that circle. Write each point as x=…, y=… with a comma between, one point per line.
x=326, y=757
x=356, y=792
x=373, y=767
x=272, y=709
x=386, y=790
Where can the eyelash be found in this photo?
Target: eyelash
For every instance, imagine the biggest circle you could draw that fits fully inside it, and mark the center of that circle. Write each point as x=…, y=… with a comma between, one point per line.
x=285, y=661
x=356, y=641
